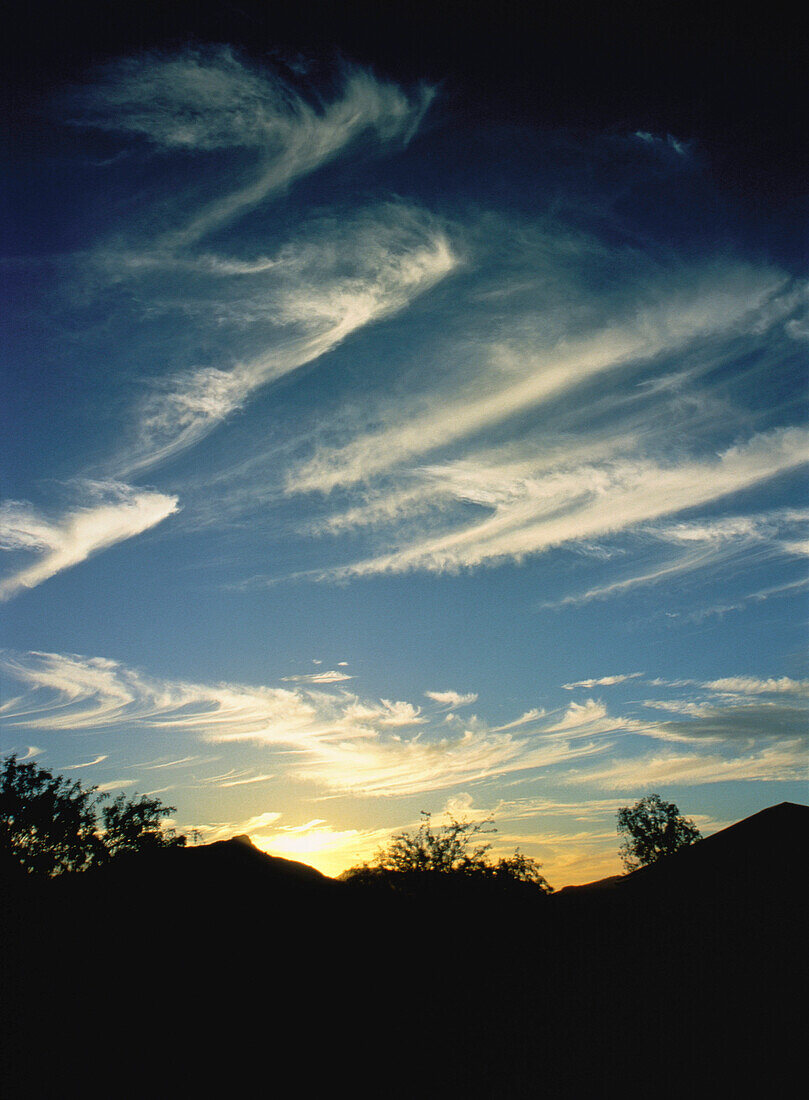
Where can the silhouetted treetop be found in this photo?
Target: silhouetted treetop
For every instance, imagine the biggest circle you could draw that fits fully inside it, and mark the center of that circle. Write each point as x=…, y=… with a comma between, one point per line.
x=132, y=825
x=49, y=824
x=651, y=830
x=451, y=850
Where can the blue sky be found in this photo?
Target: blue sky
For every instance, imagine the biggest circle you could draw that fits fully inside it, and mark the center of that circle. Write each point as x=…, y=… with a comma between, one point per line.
x=366, y=454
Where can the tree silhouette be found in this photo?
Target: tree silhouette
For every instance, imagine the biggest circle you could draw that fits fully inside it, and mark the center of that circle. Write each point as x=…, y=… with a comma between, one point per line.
x=131, y=825
x=653, y=829
x=49, y=824
x=450, y=850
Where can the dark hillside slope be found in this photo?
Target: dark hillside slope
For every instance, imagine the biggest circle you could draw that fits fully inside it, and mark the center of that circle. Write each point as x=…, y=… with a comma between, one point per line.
x=763, y=853
x=217, y=875
x=700, y=959
x=753, y=869
x=218, y=970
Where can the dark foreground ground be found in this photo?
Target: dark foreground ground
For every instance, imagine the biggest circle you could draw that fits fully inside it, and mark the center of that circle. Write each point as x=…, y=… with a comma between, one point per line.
x=216, y=970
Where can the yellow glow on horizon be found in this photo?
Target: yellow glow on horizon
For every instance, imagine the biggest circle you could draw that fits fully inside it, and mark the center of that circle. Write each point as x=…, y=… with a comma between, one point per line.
x=328, y=850
x=332, y=851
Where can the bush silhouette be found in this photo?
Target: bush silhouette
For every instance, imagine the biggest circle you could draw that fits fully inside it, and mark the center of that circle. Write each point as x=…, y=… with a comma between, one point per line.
x=429, y=856
x=49, y=824
x=653, y=829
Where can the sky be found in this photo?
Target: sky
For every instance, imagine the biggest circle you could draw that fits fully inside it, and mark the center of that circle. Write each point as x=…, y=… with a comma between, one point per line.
x=406, y=415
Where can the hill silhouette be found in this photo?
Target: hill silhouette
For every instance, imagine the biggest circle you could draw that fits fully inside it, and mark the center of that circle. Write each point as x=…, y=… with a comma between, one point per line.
x=766, y=849
x=768, y=839
x=199, y=970
x=233, y=867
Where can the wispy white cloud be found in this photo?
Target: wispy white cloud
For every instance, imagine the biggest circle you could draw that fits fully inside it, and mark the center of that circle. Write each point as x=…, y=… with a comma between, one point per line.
x=399, y=713
x=751, y=685
x=626, y=459
x=210, y=99
x=452, y=698
x=260, y=821
x=87, y=764
x=733, y=710
x=779, y=530
x=365, y=713
x=668, y=141
x=261, y=778
x=349, y=273
x=341, y=742
x=235, y=777
x=419, y=765
x=337, y=276
x=30, y=753
x=721, y=546
x=523, y=375
x=774, y=591
x=111, y=512
x=582, y=811
x=531, y=515
x=181, y=761
x=783, y=762
x=661, y=571
x=526, y=719
x=585, y=719
x=738, y=719
x=608, y=471
x=602, y=681
x=679, y=706
x=345, y=744
x=331, y=676
x=381, y=506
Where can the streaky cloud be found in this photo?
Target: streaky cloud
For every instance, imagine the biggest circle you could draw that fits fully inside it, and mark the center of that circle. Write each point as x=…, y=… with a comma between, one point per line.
x=773, y=764
x=339, y=741
x=530, y=716
x=87, y=764
x=262, y=778
x=111, y=512
x=535, y=515
x=602, y=681
x=788, y=588
x=331, y=676
x=524, y=376
x=452, y=698
x=206, y=99
x=703, y=544
x=345, y=744
x=751, y=685
x=349, y=274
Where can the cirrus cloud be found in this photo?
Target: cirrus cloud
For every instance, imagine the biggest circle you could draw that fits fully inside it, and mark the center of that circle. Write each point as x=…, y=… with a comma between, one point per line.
x=209, y=99
x=111, y=513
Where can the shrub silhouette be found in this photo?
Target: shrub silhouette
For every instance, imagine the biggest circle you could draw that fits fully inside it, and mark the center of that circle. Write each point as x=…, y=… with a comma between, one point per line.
x=653, y=829
x=49, y=824
x=132, y=825
x=415, y=860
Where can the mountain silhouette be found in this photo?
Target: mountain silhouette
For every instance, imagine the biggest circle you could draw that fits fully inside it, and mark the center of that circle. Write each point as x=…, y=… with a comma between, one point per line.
x=766, y=848
x=218, y=969
x=219, y=871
